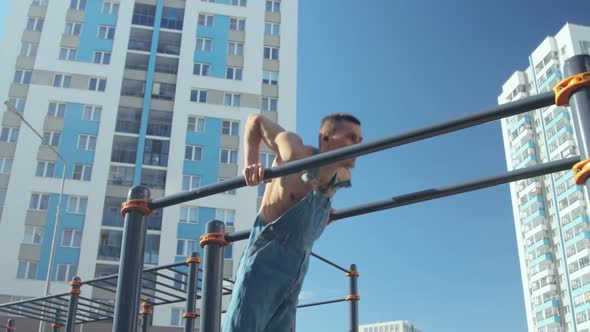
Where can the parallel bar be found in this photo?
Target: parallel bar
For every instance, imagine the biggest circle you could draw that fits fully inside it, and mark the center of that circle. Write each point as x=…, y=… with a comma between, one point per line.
x=32, y=316
x=320, y=303
x=330, y=263
x=131, y=266
x=73, y=305
x=237, y=236
x=429, y=194
x=32, y=300
x=36, y=314
x=498, y=112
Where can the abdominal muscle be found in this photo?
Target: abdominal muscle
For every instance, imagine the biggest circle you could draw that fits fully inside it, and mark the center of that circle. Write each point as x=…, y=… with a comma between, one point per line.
x=281, y=195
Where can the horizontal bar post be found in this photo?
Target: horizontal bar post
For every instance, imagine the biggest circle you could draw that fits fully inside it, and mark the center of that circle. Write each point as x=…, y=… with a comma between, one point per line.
x=429, y=194
x=498, y=112
x=320, y=303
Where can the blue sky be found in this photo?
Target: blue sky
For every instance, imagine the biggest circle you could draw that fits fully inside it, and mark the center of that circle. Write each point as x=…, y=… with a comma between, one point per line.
x=445, y=265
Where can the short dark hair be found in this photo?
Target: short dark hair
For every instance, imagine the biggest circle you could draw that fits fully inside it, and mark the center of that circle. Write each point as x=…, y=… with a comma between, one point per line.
x=331, y=121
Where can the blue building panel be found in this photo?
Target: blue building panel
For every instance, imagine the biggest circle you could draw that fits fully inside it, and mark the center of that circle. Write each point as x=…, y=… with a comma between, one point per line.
x=89, y=41
x=74, y=126
x=217, y=58
x=208, y=167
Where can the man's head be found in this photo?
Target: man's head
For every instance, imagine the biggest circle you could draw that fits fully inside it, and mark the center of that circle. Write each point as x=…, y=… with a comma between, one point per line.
x=339, y=130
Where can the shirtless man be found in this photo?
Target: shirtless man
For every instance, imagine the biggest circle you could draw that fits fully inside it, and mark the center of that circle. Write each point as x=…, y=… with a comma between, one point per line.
x=293, y=214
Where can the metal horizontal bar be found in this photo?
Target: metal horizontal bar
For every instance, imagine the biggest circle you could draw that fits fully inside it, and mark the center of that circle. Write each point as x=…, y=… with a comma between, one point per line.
x=329, y=262
x=498, y=112
x=320, y=303
x=429, y=194
x=32, y=316
x=33, y=300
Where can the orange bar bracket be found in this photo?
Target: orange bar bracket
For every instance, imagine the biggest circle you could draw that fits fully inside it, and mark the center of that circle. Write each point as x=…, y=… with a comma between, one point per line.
x=139, y=205
x=193, y=260
x=581, y=171
x=215, y=238
x=190, y=315
x=564, y=89
x=352, y=274
x=352, y=297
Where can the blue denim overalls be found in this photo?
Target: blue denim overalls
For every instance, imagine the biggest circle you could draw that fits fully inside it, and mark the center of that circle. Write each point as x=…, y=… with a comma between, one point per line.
x=273, y=266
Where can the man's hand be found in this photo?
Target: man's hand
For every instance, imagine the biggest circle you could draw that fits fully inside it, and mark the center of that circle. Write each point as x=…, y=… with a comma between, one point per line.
x=254, y=174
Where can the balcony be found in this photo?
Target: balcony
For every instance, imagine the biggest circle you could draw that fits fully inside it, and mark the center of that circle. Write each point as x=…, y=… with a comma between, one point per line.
x=144, y=14
x=109, y=253
x=140, y=45
x=169, y=43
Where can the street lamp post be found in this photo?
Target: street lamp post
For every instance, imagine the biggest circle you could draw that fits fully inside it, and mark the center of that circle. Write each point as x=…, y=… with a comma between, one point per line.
x=59, y=201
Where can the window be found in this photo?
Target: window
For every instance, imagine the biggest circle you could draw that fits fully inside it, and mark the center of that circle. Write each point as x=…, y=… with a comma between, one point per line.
x=78, y=4
x=39, y=202
x=72, y=28
x=231, y=128
x=204, y=44
x=77, y=204
x=196, y=124
x=65, y=272
x=241, y=3
x=185, y=247
x=5, y=165
x=67, y=54
x=18, y=103
x=8, y=134
x=201, y=69
x=199, y=96
x=56, y=110
x=111, y=8
x=272, y=29
x=270, y=77
x=40, y=2
x=233, y=73
x=237, y=24
x=27, y=270
x=229, y=192
x=206, y=20
x=97, y=84
x=231, y=99
x=266, y=159
x=156, y=152
x=71, y=238
x=33, y=234
x=82, y=172
x=228, y=156
x=91, y=113
x=226, y=215
x=62, y=81
x=106, y=32
x=45, y=169
x=86, y=142
x=273, y=6
x=101, y=57
x=22, y=76
x=28, y=49
x=52, y=138
x=235, y=48
x=269, y=104
x=189, y=215
x=35, y=24
x=176, y=318
x=271, y=53
x=193, y=152
x=190, y=182
x=121, y=176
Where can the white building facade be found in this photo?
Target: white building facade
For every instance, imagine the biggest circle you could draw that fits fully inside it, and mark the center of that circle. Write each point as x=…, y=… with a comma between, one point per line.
x=550, y=212
x=152, y=92
x=393, y=326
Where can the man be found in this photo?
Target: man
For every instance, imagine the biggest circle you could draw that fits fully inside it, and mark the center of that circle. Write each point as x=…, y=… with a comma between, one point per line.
x=293, y=214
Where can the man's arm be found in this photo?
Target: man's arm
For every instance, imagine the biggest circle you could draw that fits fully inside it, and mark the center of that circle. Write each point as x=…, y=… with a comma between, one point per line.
x=286, y=145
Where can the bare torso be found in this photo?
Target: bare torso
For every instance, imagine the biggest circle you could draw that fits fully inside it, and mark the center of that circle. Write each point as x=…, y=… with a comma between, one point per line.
x=283, y=193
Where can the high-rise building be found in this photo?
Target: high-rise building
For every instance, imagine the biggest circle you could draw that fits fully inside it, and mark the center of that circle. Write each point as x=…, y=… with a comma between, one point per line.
x=550, y=212
x=393, y=326
x=152, y=92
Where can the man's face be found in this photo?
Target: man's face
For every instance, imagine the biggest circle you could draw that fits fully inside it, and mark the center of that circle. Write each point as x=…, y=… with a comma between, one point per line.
x=346, y=133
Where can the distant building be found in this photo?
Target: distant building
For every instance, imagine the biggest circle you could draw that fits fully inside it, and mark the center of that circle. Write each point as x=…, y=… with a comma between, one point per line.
x=393, y=326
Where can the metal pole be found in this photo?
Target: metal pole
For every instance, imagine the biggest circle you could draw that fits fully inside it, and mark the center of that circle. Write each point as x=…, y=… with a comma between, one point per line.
x=353, y=298
x=146, y=314
x=73, y=305
x=429, y=194
x=131, y=264
x=498, y=112
x=212, y=279
x=10, y=326
x=191, y=297
x=59, y=201
x=580, y=102
x=56, y=325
